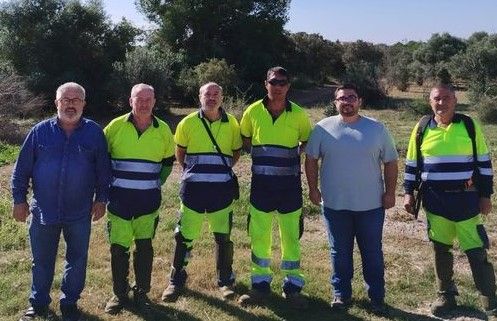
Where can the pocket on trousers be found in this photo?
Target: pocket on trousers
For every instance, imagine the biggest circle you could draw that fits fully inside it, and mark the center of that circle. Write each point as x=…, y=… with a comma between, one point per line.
x=248, y=224
x=301, y=225
x=483, y=235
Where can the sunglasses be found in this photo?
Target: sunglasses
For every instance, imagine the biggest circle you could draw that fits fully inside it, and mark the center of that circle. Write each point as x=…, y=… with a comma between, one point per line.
x=278, y=82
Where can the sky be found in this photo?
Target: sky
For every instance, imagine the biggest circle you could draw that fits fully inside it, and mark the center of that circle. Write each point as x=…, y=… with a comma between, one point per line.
x=377, y=21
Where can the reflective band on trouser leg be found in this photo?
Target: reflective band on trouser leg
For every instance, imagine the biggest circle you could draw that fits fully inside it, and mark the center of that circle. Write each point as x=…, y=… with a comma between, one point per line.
x=260, y=228
x=445, y=231
x=289, y=228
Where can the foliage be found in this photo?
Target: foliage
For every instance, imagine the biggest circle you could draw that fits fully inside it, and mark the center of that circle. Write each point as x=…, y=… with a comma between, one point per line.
x=330, y=110
x=366, y=77
x=486, y=110
x=53, y=41
x=314, y=57
x=397, y=60
x=248, y=34
x=8, y=153
x=143, y=65
x=216, y=70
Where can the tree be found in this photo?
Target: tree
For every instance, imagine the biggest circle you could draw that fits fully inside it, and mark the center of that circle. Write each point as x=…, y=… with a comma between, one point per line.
x=314, y=57
x=54, y=41
x=248, y=34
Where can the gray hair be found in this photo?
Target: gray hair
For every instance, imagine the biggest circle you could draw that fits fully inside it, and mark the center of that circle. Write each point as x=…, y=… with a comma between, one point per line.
x=67, y=85
x=207, y=85
x=141, y=86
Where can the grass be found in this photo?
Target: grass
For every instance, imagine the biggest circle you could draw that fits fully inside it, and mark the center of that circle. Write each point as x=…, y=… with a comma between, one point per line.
x=8, y=153
x=409, y=273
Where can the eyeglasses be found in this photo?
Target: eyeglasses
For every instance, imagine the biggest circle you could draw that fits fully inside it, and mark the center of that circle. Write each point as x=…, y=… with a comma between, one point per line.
x=71, y=100
x=350, y=98
x=278, y=82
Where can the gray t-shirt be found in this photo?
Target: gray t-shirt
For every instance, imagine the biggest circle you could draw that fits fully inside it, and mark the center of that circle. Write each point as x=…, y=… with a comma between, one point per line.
x=351, y=157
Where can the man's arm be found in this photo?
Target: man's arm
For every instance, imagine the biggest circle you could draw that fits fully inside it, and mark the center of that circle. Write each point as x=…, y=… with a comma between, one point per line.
x=311, y=172
x=391, y=172
x=23, y=171
x=236, y=156
x=247, y=143
x=180, y=155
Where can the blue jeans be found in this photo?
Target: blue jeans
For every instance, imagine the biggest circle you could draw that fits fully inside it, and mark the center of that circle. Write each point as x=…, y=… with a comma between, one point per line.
x=44, y=240
x=367, y=228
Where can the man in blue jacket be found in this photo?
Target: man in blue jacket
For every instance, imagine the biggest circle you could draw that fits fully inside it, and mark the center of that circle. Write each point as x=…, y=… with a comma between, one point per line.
x=65, y=158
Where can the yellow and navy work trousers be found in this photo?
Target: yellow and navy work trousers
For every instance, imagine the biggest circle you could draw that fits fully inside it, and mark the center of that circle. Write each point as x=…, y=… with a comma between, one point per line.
x=473, y=240
x=260, y=232
x=122, y=233
x=189, y=228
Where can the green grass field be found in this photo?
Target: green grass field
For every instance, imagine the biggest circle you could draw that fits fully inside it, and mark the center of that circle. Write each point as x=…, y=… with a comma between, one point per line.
x=409, y=273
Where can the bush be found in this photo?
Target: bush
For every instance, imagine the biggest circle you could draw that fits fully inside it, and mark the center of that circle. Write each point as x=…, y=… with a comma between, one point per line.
x=143, y=65
x=216, y=70
x=330, y=110
x=486, y=110
x=365, y=77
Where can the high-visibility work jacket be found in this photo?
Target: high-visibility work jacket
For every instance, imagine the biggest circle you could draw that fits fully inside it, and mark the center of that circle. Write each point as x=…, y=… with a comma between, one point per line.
x=205, y=177
x=275, y=143
x=447, y=169
x=137, y=162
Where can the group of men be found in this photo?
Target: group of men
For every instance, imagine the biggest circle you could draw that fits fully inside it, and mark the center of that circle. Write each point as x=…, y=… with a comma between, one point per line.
x=77, y=171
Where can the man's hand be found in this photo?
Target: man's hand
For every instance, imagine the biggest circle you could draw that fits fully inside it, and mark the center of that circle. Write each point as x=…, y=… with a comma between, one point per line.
x=98, y=210
x=20, y=212
x=485, y=205
x=388, y=200
x=409, y=203
x=315, y=196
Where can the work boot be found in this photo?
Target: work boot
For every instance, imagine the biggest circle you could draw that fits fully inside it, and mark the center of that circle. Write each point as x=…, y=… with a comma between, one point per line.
x=143, y=258
x=141, y=300
x=443, y=304
x=39, y=312
x=116, y=304
x=70, y=312
x=227, y=292
x=253, y=297
x=339, y=303
x=489, y=305
x=171, y=293
x=296, y=300
x=378, y=307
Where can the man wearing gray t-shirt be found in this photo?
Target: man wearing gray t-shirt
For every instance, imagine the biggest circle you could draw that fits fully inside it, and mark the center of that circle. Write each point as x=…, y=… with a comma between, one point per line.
x=354, y=194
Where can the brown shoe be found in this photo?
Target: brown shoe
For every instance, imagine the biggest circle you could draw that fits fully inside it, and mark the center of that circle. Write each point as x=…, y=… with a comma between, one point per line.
x=253, y=297
x=443, y=304
x=296, y=300
x=116, y=304
x=227, y=292
x=171, y=293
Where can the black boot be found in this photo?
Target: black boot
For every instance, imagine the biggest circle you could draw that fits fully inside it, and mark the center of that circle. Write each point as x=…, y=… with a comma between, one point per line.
x=120, y=270
x=444, y=271
x=484, y=278
x=224, y=262
x=178, y=274
x=143, y=258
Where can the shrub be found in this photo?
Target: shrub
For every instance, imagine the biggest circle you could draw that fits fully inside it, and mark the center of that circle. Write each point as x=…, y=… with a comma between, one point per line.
x=216, y=70
x=365, y=77
x=486, y=109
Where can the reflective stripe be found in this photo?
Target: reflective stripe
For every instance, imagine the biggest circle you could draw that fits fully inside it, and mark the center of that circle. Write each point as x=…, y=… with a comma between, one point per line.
x=136, y=184
x=203, y=177
x=448, y=159
x=261, y=278
x=409, y=177
x=295, y=280
x=207, y=159
x=272, y=151
x=260, y=262
x=483, y=158
x=486, y=171
x=275, y=170
x=411, y=163
x=290, y=265
x=445, y=176
x=132, y=166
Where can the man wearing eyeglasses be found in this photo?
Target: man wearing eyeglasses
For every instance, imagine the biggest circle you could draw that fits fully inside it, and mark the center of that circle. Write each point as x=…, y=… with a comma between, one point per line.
x=66, y=160
x=353, y=193
x=275, y=129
